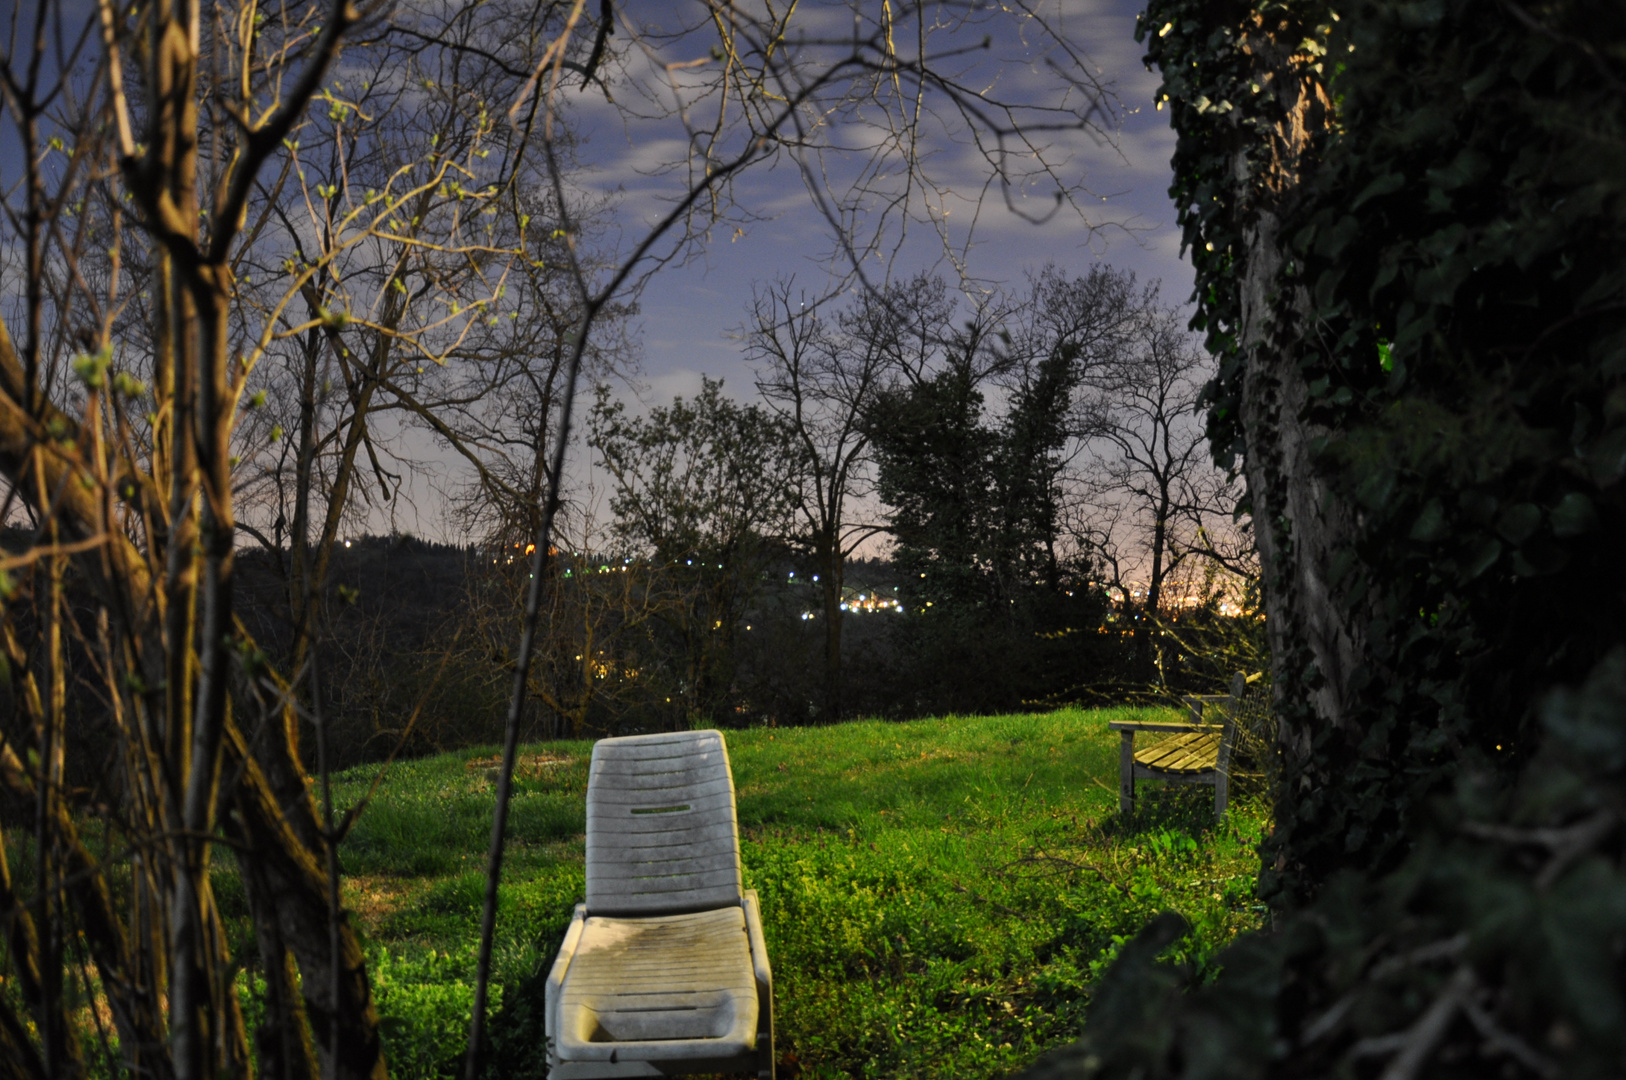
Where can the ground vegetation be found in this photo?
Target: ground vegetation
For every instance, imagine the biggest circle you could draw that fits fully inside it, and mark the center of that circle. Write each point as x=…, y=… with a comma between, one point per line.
x=939, y=895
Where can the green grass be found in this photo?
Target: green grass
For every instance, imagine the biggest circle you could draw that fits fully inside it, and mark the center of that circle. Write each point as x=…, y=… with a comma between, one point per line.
x=938, y=896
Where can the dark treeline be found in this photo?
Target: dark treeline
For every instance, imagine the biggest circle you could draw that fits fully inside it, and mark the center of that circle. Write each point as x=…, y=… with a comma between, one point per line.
x=417, y=658
x=932, y=508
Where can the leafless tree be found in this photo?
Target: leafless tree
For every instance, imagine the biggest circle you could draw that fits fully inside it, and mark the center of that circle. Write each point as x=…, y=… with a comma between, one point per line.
x=1148, y=502
x=822, y=377
x=591, y=671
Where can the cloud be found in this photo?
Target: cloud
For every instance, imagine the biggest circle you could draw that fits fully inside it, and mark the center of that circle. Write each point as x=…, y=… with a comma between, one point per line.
x=636, y=150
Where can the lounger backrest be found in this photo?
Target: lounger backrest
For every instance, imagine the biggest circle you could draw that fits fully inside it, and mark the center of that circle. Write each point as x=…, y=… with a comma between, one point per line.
x=662, y=836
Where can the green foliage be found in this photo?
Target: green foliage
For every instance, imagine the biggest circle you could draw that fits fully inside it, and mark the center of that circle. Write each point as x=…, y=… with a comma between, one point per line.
x=939, y=896
x=694, y=479
x=703, y=489
x=936, y=471
x=1460, y=232
x=1501, y=926
x=1003, y=603
x=424, y=997
x=975, y=496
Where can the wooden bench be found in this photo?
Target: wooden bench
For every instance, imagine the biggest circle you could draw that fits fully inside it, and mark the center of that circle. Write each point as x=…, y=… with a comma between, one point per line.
x=1197, y=751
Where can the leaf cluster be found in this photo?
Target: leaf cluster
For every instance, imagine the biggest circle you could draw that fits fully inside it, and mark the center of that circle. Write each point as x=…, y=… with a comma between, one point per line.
x=1452, y=287
x=701, y=479
x=1480, y=954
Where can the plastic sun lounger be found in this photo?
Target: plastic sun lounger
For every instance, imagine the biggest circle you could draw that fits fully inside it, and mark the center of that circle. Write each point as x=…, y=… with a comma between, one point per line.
x=663, y=970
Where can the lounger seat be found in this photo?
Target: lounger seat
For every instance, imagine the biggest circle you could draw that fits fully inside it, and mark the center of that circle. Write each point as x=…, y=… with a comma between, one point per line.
x=642, y=989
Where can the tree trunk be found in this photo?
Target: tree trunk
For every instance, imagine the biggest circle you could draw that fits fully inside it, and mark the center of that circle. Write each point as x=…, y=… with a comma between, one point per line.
x=279, y=818
x=274, y=803
x=1301, y=526
x=276, y=817
x=831, y=581
x=1146, y=633
x=283, y=1039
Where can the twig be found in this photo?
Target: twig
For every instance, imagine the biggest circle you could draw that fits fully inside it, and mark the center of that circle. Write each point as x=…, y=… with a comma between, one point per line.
x=1444, y=949
x=1027, y=860
x=1417, y=1042
x=1327, y=1022
x=351, y=815
x=1566, y=844
x=1041, y=857
x=1508, y=1042
x=957, y=887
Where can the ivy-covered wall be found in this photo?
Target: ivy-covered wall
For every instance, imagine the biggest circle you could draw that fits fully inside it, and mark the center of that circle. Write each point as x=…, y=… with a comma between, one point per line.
x=1409, y=226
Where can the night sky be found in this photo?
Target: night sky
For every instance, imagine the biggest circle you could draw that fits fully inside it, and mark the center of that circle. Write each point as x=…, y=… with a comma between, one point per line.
x=689, y=311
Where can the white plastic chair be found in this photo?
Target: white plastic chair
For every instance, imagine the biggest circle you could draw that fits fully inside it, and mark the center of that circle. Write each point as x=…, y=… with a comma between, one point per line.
x=663, y=971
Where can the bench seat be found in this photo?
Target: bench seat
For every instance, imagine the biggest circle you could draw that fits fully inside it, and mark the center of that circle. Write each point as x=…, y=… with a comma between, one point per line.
x=1193, y=752
x=1196, y=751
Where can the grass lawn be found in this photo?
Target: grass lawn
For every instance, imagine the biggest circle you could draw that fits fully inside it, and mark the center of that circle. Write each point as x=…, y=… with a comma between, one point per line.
x=938, y=896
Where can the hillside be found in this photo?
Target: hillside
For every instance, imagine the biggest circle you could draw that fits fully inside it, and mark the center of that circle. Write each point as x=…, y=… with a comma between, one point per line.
x=938, y=895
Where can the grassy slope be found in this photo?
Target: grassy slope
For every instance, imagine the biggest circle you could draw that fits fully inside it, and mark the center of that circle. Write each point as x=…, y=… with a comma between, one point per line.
x=937, y=895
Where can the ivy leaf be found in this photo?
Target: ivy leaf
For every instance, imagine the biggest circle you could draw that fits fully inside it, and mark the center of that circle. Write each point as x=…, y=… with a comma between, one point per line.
x=1480, y=556
x=1573, y=515
x=1466, y=168
x=1518, y=521
x=1607, y=458
x=1430, y=524
x=1387, y=184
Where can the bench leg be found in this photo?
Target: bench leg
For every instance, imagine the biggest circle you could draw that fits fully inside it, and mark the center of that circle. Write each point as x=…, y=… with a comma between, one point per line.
x=1222, y=791
x=1126, y=773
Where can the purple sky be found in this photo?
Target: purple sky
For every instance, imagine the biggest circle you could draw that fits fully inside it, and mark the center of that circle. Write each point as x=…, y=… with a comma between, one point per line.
x=688, y=311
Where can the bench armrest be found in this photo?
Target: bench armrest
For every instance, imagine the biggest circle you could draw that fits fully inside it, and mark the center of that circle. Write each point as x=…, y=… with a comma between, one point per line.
x=1158, y=726
x=556, y=975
